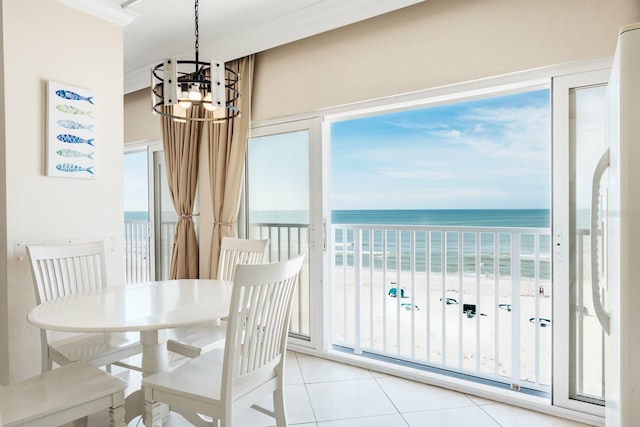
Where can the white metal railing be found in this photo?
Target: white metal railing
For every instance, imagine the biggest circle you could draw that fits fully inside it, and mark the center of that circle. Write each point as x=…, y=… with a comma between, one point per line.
x=137, y=250
x=285, y=241
x=473, y=300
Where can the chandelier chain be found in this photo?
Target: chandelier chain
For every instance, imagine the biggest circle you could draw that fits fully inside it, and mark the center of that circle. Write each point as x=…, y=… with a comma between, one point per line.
x=197, y=32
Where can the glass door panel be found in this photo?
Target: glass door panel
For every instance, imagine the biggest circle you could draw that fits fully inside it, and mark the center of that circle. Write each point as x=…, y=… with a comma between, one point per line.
x=279, y=203
x=579, y=140
x=587, y=144
x=165, y=217
x=137, y=236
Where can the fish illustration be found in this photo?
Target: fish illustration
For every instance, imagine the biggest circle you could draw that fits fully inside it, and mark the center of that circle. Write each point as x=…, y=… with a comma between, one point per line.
x=69, y=167
x=70, y=124
x=72, y=139
x=74, y=153
x=67, y=94
x=70, y=109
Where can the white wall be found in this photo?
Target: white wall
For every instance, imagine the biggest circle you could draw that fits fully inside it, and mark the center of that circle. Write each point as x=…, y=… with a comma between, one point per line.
x=45, y=40
x=431, y=44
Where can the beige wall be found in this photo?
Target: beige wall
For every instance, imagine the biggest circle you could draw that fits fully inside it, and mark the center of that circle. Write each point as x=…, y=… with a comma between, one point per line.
x=139, y=123
x=435, y=43
x=61, y=44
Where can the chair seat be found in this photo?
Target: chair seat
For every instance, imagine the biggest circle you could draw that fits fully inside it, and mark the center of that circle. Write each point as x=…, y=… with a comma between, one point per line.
x=191, y=341
x=60, y=396
x=97, y=349
x=187, y=378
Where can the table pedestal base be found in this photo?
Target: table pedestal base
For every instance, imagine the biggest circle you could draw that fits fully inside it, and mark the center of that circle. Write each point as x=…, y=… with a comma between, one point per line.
x=155, y=358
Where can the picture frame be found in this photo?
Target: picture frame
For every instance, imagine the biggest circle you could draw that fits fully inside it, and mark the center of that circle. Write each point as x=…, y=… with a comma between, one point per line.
x=71, y=134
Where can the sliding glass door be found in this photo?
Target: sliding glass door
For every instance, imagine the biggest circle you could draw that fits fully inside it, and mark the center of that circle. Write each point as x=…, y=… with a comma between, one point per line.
x=283, y=205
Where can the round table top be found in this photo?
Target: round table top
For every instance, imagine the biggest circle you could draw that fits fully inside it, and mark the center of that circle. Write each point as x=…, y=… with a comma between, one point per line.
x=140, y=307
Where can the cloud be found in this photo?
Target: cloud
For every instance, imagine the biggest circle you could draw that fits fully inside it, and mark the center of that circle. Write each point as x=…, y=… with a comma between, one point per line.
x=491, y=153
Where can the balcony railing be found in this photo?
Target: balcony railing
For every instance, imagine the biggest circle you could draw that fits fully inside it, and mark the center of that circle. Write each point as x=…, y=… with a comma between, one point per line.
x=468, y=300
x=139, y=264
x=137, y=252
x=286, y=241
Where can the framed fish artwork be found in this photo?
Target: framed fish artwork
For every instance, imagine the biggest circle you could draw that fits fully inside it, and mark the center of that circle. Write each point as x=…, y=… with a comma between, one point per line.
x=71, y=133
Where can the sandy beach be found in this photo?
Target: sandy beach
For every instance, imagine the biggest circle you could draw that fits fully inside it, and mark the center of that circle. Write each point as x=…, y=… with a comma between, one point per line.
x=420, y=327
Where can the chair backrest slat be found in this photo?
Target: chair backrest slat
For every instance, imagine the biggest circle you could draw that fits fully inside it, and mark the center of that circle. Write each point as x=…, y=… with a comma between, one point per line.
x=258, y=322
x=239, y=251
x=66, y=269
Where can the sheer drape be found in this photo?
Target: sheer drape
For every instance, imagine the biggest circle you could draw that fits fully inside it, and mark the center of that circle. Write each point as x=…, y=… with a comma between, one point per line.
x=181, y=151
x=228, y=142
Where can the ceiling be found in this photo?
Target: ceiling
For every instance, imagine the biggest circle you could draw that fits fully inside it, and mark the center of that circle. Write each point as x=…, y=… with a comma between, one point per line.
x=229, y=29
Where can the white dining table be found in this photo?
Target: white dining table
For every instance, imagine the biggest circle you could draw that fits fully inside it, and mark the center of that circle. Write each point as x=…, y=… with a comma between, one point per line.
x=150, y=308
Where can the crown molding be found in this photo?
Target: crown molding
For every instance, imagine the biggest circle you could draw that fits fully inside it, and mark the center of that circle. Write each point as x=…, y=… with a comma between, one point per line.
x=103, y=9
x=136, y=80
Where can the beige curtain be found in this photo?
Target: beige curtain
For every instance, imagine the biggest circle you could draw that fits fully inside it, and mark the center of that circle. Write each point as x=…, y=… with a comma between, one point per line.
x=181, y=149
x=227, y=143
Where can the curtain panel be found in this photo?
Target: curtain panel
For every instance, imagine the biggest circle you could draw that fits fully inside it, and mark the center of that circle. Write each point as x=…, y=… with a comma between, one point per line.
x=227, y=149
x=181, y=150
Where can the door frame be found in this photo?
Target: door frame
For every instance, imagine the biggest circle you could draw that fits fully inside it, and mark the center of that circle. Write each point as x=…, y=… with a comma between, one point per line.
x=561, y=86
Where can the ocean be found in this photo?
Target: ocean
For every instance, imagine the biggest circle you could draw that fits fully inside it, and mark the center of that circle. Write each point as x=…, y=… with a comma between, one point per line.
x=538, y=218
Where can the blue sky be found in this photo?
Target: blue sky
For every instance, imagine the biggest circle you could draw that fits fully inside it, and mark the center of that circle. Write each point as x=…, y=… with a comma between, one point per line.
x=484, y=154
x=135, y=181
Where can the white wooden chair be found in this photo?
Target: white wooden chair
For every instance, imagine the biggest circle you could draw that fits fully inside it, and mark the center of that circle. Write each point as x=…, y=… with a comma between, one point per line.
x=63, y=395
x=66, y=269
x=221, y=382
x=191, y=341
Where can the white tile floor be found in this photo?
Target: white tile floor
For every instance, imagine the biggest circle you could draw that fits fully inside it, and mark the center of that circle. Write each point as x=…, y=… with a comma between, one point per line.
x=323, y=393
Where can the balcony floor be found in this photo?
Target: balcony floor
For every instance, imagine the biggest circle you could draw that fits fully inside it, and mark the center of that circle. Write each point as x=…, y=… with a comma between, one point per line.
x=323, y=393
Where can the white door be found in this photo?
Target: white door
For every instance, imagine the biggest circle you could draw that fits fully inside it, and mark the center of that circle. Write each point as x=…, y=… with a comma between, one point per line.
x=579, y=139
x=283, y=204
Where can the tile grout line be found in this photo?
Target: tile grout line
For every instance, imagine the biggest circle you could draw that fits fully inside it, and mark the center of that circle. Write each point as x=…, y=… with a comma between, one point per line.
x=388, y=397
x=304, y=382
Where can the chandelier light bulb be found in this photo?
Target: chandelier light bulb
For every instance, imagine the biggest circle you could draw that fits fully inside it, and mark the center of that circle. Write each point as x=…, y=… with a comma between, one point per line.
x=194, y=93
x=208, y=105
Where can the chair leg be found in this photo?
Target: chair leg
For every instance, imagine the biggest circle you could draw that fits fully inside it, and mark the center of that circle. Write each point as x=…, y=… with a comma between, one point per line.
x=152, y=416
x=47, y=364
x=116, y=416
x=279, y=407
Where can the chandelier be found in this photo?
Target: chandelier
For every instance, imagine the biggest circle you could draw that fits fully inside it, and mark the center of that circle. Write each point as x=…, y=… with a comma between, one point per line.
x=177, y=86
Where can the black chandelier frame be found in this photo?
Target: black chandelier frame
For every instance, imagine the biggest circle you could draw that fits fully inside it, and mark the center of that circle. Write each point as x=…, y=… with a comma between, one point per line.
x=213, y=80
